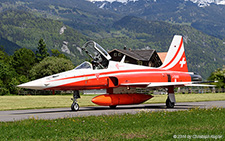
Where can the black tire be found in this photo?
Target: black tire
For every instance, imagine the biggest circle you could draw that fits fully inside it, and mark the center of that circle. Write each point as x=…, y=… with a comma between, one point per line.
x=113, y=107
x=75, y=107
x=169, y=104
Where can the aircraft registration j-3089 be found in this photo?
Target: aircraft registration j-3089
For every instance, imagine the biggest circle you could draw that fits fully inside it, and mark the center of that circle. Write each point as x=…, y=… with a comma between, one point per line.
x=103, y=73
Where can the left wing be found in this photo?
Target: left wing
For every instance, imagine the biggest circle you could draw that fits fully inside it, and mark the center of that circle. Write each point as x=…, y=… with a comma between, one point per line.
x=164, y=84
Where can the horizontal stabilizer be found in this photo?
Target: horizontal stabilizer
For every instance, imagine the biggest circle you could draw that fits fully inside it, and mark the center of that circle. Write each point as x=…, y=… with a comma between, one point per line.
x=200, y=85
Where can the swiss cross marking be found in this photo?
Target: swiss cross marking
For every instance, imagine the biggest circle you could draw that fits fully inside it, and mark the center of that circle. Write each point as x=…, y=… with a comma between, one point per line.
x=97, y=75
x=182, y=63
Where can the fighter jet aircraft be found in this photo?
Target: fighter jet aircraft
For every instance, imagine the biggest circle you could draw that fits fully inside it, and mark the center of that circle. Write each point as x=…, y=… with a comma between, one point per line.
x=121, y=79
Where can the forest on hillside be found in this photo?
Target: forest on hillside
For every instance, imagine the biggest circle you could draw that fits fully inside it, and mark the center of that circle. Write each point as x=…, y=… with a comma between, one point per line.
x=24, y=29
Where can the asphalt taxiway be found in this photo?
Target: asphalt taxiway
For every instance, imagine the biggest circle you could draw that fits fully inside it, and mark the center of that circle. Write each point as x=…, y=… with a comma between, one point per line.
x=55, y=113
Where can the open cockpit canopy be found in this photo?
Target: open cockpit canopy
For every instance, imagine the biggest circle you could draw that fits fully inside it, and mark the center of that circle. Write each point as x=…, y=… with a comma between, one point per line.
x=100, y=57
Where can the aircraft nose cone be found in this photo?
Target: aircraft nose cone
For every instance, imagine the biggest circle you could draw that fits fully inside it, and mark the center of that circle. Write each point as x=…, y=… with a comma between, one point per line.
x=36, y=84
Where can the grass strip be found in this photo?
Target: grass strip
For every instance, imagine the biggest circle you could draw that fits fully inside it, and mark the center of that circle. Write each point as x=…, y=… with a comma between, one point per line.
x=56, y=101
x=144, y=125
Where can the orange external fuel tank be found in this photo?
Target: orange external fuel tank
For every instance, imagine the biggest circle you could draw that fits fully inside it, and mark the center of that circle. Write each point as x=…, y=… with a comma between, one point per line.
x=120, y=99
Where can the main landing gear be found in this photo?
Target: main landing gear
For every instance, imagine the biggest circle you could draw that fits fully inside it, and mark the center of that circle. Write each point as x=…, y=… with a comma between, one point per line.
x=170, y=102
x=75, y=106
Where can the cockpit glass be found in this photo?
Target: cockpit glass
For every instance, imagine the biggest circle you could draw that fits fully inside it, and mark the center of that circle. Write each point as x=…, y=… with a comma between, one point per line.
x=84, y=65
x=102, y=50
x=90, y=50
x=100, y=57
x=95, y=50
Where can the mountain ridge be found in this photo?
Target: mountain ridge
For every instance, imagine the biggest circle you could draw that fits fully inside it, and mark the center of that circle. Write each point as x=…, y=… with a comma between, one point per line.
x=182, y=12
x=205, y=53
x=200, y=3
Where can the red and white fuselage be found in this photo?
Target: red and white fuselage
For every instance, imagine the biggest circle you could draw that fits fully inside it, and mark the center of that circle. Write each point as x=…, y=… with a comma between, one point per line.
x=117, y=75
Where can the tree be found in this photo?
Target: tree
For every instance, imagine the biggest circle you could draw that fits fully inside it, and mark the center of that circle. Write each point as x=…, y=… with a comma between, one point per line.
x=56, y=53
x=50, y=66
x=219, y=75
x=3, y=55
x=7, y=73
x=23, y=60
x=42, y=51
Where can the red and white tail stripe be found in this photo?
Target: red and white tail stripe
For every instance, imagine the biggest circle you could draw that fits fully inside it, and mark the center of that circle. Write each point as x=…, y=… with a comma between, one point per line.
x=176, y=59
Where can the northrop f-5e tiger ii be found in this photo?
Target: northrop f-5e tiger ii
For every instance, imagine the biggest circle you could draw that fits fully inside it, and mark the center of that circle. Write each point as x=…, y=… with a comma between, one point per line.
x=103, y=73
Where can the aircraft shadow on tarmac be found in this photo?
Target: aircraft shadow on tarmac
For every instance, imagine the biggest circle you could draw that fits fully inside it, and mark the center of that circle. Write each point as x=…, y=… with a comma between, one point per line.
x=106, y=108
x=156, y=107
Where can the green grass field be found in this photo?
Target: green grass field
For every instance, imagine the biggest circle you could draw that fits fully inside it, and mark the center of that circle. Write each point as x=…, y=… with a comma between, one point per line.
x=181, y=125
x=54, y=101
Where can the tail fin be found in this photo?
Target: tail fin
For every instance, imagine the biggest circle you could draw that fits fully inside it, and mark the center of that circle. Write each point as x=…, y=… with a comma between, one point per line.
x=176, y=59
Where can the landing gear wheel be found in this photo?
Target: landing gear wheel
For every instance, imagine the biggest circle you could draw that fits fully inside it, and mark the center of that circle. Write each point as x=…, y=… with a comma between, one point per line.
x=113, y=107
x=75, y=107
x=169, y=104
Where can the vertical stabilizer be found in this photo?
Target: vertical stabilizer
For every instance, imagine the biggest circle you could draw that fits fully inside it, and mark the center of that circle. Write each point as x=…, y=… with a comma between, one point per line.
x=176, y=59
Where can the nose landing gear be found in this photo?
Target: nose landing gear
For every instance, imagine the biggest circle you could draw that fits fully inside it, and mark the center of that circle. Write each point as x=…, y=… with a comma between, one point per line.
x=75, y=106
